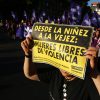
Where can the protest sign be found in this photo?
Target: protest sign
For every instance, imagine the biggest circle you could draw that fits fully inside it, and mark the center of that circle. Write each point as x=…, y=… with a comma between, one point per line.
x=62, y=46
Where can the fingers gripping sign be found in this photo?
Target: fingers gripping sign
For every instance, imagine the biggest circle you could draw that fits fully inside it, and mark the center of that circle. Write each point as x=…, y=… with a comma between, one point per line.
x=27, y=45
x=91, y=54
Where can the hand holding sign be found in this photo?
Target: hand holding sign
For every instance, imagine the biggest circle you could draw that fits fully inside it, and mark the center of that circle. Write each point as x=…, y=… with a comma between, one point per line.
x=27, y=45
x=92, y=55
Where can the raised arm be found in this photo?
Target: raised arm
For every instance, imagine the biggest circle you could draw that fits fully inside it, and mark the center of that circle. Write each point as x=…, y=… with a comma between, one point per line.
x=95, y=73
x=29, y=67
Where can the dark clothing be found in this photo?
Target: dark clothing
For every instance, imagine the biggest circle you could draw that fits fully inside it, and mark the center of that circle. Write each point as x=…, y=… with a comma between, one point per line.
x=78, y=89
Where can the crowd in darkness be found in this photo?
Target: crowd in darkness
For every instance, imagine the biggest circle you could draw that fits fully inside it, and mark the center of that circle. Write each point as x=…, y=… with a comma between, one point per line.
x=20, y=16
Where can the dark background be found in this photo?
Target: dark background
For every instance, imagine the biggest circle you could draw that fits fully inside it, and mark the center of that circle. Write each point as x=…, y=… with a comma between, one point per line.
x=51, y=7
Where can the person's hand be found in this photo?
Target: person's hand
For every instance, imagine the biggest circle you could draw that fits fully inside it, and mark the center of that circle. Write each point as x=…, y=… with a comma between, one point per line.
x=91, y=54
x=27, y=45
